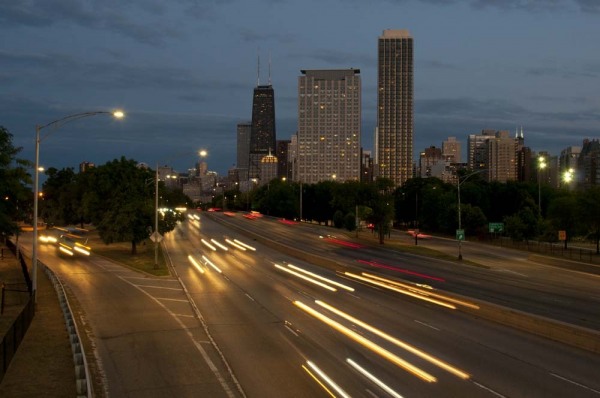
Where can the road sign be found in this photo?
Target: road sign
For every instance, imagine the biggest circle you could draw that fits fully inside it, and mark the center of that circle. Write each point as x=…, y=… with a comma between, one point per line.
x=496, y=227
x=460, y=234
x=562, y=235
x=156, y=237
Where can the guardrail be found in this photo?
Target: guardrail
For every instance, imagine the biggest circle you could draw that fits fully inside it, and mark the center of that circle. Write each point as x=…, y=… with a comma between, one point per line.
x=82, y=378
x=15, y=334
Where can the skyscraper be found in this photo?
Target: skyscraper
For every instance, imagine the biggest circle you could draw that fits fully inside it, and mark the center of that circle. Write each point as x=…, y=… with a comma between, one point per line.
x=394, y=132
x=329, y=125
x=243, y=149
x=262, y=132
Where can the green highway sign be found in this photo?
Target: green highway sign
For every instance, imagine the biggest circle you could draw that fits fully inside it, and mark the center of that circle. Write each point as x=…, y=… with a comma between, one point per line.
x=496, y=227
x=460, y=234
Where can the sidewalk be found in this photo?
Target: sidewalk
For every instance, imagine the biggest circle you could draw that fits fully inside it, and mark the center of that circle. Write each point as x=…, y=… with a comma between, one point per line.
x=43, y=364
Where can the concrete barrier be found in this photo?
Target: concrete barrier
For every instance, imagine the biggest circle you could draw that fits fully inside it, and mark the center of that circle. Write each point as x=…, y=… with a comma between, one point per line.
x=573, y=335
x=82, y=379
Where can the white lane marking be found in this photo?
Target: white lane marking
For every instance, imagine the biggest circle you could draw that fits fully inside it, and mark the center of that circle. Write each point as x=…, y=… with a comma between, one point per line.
x=290, y=329
x=151, y=279
x=247, y=295
x=574, y=382
x=511, y=272
x=185, y=316
x=156, y=287
x=425, y=324
x=489, y=389
x=172, y=299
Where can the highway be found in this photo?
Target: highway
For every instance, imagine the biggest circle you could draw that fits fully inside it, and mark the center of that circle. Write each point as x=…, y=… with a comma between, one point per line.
x=270, y=323
x=261, y=323
x=506, y=278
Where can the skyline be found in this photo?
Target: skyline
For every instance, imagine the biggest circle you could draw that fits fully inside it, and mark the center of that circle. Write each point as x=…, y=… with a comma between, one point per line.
x=184, y=71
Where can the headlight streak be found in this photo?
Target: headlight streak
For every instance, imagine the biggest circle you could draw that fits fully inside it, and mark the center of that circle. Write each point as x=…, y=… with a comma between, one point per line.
x=306, y=278
x=220, y=245
x=424, y=292
x=321, y=278
x=232, y=243
x=374, y=379
x=65, y=249
x=81, y=250
x=207, y=261
x=395, y=341
x=315, y=378
x=328, y=380
x=405, y=271
x=211, y=247
x=395, y=289
x=195, y=264
x=368, y=343
x=239, y=242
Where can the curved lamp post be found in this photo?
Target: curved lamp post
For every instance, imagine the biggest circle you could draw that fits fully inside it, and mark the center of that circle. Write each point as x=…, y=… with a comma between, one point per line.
x=459, y=212
x=56, y=124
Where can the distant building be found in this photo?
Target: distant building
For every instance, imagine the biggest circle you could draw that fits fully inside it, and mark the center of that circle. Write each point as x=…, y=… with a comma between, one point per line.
x=83, y=166
x=588, y=164
x=329, y=125
x=451, y=150
x=394, y=131
x=262, y=131
x=268, y=169
x=548, y=174
x=431, y=163
x=293, y=158
x=366, y=166
x=501, y=157
x=243, y=148
x=282, y=158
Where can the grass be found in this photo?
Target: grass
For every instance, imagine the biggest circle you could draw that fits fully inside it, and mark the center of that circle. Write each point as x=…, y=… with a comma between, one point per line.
x=120, y=252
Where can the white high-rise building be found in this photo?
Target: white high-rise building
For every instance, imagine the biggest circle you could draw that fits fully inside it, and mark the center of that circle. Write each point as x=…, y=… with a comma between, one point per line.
x=329, y=125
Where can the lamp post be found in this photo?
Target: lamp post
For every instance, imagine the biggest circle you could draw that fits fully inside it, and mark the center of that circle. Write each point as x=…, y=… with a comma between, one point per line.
x=36, y=179
x=459, y=182
x=540, y=166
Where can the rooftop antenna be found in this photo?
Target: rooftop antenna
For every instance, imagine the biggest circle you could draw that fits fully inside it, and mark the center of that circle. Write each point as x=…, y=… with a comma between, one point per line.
x=269, y=68
x=258, y=66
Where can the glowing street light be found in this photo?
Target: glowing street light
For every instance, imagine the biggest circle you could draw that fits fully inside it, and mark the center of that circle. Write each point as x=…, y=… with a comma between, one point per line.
x=118, y=114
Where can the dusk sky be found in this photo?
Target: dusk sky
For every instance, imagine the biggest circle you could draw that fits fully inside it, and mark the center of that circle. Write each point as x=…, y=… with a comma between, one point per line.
x=184, y=70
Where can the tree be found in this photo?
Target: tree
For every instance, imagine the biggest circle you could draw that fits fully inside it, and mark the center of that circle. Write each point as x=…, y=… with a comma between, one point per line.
x=589, y=213
x=338, y=219
x=15, y=196
x=121, y=205
x=562, y=215
x=382, y=206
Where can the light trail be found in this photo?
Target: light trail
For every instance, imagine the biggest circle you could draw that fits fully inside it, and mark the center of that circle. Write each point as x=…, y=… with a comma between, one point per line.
x=399, y=343
x=321, y=278
x=207, y=261
x=368, y=344
x=195, y=264
x=220, y=245
x=315, y=378
x=402, y=270
x=211, y=247
x=374, y=379
x=306, y=278
x=424, y=292
x=239, y=242
x=232, y=243
x=395, y=289
x=328, y=380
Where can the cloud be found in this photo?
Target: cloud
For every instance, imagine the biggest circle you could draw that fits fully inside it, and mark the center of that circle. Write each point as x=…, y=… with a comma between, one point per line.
x=434, y=64
x=91, y=14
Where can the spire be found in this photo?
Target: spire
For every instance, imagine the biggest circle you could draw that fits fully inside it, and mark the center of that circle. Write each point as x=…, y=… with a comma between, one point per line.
x=522, y=136
x=269, y=67
x=258, y=66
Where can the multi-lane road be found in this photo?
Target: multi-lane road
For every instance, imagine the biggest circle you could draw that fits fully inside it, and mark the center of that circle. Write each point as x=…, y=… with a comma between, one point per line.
x=256, y=321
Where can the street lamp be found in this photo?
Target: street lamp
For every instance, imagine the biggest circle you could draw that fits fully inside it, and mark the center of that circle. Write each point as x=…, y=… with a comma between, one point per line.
x=568, y=176
x=541, y=165
x=56, y=124
x=459, y=182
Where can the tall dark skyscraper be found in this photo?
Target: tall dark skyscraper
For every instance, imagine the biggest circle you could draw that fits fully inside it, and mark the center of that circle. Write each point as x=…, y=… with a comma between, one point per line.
x=394, y=133
x=262, y=133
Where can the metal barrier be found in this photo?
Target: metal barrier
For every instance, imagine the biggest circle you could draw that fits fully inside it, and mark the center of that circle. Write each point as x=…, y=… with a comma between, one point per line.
x=15, y=334
x=82, y=378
